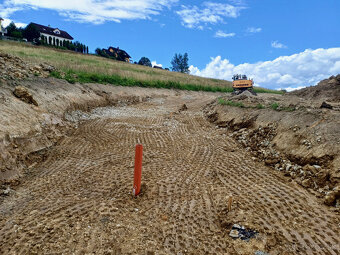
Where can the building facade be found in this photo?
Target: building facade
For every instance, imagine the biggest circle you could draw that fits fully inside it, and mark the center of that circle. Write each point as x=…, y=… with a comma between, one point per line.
x=53, y=36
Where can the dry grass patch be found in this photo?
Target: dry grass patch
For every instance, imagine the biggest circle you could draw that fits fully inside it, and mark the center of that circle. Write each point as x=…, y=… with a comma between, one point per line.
x=67, y=60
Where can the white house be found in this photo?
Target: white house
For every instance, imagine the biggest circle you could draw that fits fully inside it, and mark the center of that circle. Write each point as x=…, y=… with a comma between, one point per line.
x=53, y=36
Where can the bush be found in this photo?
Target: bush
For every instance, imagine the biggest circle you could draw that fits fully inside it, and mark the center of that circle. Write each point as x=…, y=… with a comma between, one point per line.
x=274, y=106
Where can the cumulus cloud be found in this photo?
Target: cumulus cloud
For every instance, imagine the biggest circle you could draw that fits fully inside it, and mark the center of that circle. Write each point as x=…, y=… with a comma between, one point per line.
x=277, y=45
x=221, y=34
x=290, y=89
x=154, y=63
x=6, y=22
x=208, y=13
x=92, y=11
x=253, y=30
x=302, y=69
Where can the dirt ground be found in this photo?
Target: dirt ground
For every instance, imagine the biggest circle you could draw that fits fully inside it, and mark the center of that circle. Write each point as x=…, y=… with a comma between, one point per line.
x=78, y=199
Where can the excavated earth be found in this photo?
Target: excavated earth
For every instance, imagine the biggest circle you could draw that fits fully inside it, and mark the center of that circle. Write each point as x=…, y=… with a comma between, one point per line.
x=67, y=172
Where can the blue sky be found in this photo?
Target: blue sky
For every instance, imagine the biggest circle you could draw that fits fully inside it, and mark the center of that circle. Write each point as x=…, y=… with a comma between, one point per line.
x=279, y=43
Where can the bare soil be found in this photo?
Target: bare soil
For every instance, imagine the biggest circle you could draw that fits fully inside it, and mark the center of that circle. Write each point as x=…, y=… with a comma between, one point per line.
x=73, y=194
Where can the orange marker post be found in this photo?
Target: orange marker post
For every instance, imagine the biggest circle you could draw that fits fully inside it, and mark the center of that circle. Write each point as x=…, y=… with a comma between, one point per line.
x=138, y=170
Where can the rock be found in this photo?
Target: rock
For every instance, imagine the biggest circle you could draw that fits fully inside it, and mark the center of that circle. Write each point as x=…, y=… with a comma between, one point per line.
x=183, y=108
x=261, y=253
x=325, y=105
x=332, y=196
x=237, y=226
x=234, y=233
x=23, y=94
x=337, y=203
x=47, y=68
x=6, y=191
x=307, y=183
x=271, y=161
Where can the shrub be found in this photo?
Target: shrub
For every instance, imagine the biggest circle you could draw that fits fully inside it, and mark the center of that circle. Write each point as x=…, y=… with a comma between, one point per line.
x=260, y=106
x=274, y=106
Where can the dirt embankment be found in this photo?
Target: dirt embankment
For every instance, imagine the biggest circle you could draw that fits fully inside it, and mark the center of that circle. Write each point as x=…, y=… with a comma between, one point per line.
x=27, y=130
x=293, y=135
x=326, y=90
x=33, y=107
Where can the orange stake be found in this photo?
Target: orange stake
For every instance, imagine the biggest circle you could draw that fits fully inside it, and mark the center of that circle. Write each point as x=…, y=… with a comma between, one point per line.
x=138, y=170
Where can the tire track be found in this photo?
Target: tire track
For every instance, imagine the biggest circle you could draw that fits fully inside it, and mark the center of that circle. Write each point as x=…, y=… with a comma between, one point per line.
x=80, y=202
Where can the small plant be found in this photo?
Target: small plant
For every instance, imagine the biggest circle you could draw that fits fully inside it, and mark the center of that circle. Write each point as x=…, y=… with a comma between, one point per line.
x=274, y=106
x=260, y=106
x=56, y=74
x=230, y=103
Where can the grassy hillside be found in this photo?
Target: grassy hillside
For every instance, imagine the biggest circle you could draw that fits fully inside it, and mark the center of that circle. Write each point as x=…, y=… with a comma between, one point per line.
x=77, y=67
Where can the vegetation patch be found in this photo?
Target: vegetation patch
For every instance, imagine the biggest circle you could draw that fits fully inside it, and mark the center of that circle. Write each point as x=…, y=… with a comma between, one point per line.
x=260, y=106
x=85, y=77
x=274, y=106
x=230, y=103
x=77, y=67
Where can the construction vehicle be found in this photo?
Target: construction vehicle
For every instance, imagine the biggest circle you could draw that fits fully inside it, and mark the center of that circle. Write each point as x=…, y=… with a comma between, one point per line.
x=242, y=83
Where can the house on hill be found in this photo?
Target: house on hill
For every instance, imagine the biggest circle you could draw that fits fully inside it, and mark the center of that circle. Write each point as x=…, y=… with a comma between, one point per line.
x=53, y=36
x=117, y=54
x=3, y=30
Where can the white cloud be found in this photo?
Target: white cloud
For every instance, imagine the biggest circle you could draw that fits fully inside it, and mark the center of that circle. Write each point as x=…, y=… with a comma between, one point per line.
x=6, y=22
x=253, y=30
x=208, y=13
x=302, y=69
x=91, y=11
x=221, y=34
x=154, y=63
x=290, y=89
x=277, y=45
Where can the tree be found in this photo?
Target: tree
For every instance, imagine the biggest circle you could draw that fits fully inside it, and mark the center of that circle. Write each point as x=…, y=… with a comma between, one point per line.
x=11, y=28
x=31, y=32
x=16, y=34
x=180, y=63
x=144, y=61
x=87, y=49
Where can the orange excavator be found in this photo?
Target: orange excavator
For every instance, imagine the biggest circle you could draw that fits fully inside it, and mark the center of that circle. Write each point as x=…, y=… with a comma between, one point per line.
x=242, y=83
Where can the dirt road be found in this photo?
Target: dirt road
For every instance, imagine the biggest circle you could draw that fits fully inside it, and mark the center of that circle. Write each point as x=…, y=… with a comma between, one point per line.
x=79, y=200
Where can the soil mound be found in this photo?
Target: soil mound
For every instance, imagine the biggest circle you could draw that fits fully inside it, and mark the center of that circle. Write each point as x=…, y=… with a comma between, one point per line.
x=15, y=68
x=328, y=89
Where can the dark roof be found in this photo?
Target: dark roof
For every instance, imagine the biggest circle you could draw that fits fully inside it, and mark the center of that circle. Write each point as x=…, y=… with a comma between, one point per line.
x=121, y=53
x=50, y=31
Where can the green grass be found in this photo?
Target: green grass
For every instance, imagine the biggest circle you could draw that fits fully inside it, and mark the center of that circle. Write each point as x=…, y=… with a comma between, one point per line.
x=260, y=106
x=230, y=103
x=277, y=107
x=274, y=106
x=85, y=77
x=83, y=68
x=263, y=90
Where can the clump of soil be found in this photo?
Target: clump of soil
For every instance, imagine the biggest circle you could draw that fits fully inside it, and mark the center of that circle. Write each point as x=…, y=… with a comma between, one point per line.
x=15, y=68
x=23, y=94
x=328, y=89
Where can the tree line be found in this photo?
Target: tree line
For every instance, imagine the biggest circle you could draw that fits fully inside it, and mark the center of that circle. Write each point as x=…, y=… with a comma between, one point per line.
x=179, y=63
